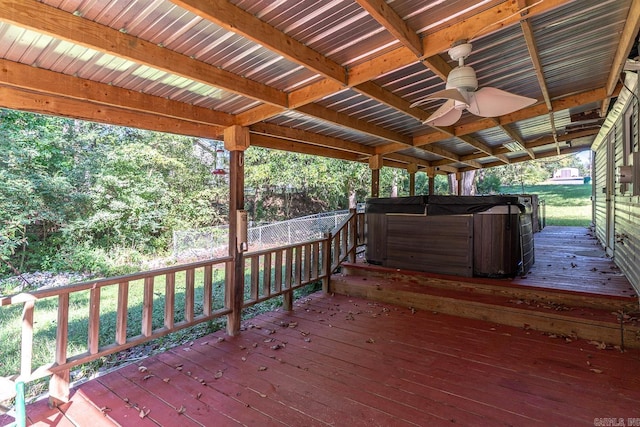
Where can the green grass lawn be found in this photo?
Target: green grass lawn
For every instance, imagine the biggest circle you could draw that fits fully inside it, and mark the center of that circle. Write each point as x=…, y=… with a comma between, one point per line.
x=568, y=205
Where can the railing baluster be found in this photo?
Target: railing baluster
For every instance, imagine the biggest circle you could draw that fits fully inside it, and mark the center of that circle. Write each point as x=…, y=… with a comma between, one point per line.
x=94, y=320
x=326, y=262
x=306, y=265
x=121, y=315
x=189, y=294
x=288, y=269
x=207, y=296
x=297, y=280
x=278, y=275
x=169, y=300
x=27, y=340
x=59, y=383
x=315, y=261
x=266, y=275
x=255, y=277
x=147, y=307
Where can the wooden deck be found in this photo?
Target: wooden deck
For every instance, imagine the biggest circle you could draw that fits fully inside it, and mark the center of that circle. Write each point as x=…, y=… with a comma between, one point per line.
x=572, y=290
x=341, y=361
x=572, y=259
x=518, y=351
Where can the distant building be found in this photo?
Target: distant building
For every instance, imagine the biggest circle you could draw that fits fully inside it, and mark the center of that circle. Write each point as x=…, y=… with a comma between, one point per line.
x=566, y=174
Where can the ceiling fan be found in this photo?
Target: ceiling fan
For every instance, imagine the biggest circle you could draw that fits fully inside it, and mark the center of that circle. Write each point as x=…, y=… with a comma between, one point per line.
x=462, y=93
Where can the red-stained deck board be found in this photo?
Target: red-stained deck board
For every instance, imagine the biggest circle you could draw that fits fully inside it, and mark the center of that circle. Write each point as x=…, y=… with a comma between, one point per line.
x=307, y=394
x=348, y=361
x=444, y=374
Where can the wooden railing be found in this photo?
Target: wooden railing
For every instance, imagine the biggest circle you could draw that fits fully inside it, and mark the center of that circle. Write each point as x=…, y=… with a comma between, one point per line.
x=121, y=339
x=267, y=274
x=344, y=240
x=279, y=271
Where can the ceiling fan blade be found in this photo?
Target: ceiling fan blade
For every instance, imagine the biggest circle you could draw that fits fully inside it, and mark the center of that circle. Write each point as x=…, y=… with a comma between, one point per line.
x=492, y=102
x=446, y=115
x=442, y=94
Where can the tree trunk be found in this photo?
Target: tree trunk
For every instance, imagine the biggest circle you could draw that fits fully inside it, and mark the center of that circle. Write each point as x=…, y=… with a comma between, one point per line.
x=453, y=183
x=468, y=183
x=353, y=198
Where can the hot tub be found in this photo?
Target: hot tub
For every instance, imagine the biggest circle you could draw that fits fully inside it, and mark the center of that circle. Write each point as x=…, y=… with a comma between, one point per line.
x=489, y=236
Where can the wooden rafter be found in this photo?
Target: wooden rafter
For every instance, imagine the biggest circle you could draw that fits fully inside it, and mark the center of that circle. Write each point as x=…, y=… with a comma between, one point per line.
x=77, y=30
x=83, y=110
x=388, y=18
x=627, y=37
x=232, y=18
x=20, y=76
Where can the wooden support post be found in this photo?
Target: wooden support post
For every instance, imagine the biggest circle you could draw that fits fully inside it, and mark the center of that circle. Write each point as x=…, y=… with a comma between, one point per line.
x=236, y=140
x=459, y=181
x=432, y=184
x=326, y=263
x=375, y=164
x=412, y=168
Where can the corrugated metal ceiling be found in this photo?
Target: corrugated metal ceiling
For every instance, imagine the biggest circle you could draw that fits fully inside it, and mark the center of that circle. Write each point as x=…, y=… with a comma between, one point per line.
x=576, y=44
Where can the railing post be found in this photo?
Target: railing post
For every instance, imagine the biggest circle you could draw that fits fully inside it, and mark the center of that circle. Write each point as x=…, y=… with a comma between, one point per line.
x=353, y=235
x=236, y=140
x=59, y=383
x=326, y=263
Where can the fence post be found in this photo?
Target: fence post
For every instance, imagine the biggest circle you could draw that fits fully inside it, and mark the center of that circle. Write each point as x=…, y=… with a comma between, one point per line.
x=326, y=262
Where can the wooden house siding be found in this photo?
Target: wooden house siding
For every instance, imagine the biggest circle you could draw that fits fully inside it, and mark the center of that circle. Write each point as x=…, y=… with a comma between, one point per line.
x=622, y=241
x=600, y=186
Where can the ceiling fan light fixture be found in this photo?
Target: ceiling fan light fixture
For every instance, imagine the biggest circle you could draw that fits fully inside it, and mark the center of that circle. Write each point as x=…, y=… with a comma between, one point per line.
x=462, y=78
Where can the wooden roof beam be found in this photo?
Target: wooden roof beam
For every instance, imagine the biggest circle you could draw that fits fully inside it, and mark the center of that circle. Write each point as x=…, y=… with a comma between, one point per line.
x=627, y=38
x=14, y=74
x=517, y=138
x=74, y=29
x=311, y=138
x=388, y=18
x=68, y=107
x=234, y=19
x=345, y=120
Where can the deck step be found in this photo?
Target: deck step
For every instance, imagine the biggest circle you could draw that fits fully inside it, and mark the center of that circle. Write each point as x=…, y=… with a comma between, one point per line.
x=569, y=314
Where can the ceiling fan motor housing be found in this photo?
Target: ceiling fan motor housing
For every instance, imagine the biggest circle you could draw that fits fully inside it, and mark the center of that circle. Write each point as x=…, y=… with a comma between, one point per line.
x=462, y=78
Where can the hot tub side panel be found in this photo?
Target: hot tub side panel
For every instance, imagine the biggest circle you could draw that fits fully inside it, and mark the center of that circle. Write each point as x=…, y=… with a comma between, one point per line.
x=437, y=244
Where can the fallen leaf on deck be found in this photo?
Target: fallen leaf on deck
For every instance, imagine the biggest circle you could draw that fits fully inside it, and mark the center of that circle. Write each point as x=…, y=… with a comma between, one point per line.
x=218, y=375
x=262, y=368
x=144, y=413
x=293, y=325
x=370, y=341
x=182, y=409
x=597, y=371
x=105, y=409
x=199, y=395
x=166, y=380
x=142, y=368
x=146, y=377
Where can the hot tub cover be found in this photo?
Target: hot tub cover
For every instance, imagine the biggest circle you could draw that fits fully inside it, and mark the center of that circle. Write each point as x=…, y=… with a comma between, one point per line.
x=440, y=205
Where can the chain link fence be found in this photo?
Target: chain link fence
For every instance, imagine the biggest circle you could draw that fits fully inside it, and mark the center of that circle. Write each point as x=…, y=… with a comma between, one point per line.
x=213, y=241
